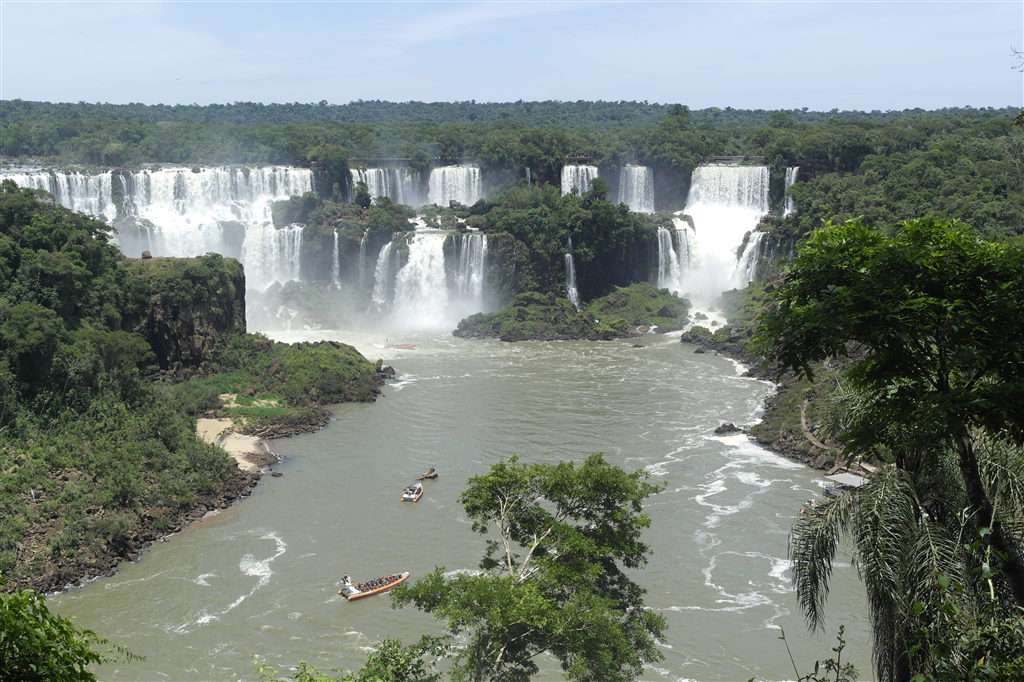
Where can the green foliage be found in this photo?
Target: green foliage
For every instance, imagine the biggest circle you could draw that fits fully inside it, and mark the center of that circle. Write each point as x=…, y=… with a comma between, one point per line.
x=824, y=672
x=390, y=661
x=936, y=385
x=553, y=581
x=39, y=646
x=974, y=645
x=325, y=372
x=537, y=317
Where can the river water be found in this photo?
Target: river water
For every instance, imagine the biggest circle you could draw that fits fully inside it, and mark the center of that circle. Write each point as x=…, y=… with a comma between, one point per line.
x=259, y=580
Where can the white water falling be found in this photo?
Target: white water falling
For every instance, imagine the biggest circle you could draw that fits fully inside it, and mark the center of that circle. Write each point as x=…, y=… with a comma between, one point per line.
x=362, y=262
x=401, y=185
x=636, y=188
x=570, y=277
x=725, y=202
x=471, y=253
x=791, y=175
x=336, y=263
x=271, y=255
x=421, y=288
x=383, y=280
x=677, y=253
x=89, y=194
x=455, y=183
x=175, y=212
x=578, y=178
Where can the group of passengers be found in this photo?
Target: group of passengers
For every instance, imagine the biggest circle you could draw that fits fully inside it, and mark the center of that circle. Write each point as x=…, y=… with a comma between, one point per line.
x=370, y=585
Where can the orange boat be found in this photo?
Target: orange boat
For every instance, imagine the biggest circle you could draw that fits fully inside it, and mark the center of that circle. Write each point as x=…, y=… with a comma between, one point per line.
x=352, y=590
x=402, y=346
x=413, y=493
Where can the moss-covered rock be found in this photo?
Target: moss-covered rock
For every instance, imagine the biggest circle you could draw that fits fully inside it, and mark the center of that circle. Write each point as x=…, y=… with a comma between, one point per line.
x=628, y=311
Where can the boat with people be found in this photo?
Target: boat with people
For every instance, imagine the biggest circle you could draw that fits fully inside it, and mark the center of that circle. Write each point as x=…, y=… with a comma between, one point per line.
x=430, y=473
x=412, y=493
x=398, y=346
x=352, y=590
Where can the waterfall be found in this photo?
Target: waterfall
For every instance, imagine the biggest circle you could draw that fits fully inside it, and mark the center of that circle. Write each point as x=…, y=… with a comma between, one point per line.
x=362, y=262
x=455, y=183
x=271, y=255
x=470, y=253
x=336, y=264
x=421, y=288
x=401, y=185
x=570, y=277
x=578, y=178
x=636, y=188
x=677, y=254
x=175, y=212
x=383, y=280
x=89, y=194
x=791, y=174
x=725, y=202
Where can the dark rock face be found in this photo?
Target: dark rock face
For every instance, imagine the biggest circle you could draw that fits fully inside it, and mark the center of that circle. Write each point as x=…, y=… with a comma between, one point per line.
x=728, y=428
x=193, y=303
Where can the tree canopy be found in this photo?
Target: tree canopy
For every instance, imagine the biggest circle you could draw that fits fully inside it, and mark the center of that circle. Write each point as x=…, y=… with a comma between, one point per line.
x=553, y=580
x=930, y=318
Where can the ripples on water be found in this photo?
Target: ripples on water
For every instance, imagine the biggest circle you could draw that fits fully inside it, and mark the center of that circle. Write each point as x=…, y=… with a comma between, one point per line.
x=260, y=579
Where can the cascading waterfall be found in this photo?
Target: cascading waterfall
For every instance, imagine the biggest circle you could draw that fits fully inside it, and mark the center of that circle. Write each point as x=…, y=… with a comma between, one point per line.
x=725, y=203
x=271, y=255
x=401, y=185
x=383, y=280
x=677, y=253
x=636, y=188
x=470, y=254
x=175, y=212
x=791, y=174
x=421, y=288
x=463, y=184
x=336, y=263
x=362, y=262
x=89, y=194
x=570, y=277
x=578, y=178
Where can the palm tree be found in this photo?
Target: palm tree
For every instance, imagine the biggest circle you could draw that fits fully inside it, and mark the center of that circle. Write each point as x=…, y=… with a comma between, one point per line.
x=907, y=527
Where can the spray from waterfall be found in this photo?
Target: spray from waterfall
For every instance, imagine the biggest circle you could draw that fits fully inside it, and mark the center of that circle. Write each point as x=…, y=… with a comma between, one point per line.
x=570, y=278
x=362, y=262
x=336, y=263
x=726, y=204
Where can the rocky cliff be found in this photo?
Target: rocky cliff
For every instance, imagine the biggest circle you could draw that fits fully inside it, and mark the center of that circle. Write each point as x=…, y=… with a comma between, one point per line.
x=194, y=303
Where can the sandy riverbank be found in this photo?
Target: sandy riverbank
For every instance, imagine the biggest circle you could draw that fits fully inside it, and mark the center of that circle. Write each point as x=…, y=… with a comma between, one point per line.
x=248, y=451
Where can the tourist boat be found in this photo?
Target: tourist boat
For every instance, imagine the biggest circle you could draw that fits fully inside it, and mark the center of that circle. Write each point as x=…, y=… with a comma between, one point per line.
x=401, y=346
x=412, y=493
x=431, y=474
x=351, y=590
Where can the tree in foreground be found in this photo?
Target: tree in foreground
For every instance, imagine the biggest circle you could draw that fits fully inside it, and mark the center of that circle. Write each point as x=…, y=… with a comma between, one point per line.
x=553, y=580
x=938, y=383
x=39, y=646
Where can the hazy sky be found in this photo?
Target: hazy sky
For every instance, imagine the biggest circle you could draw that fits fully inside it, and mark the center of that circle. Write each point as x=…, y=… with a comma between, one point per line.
x=757, y=55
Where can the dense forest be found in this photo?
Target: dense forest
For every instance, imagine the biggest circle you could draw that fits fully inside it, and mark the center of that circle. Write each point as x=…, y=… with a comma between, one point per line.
x=578, y=114
x=98, y=447
x=964, y=164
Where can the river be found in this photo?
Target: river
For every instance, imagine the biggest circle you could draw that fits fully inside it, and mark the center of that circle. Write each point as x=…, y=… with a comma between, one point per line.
x=259, y=580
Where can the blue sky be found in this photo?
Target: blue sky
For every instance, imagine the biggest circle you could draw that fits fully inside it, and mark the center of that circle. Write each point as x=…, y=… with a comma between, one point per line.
x=766, y=55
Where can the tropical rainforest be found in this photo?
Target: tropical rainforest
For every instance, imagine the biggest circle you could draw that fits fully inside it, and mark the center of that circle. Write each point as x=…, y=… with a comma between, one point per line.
x=898, y=276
